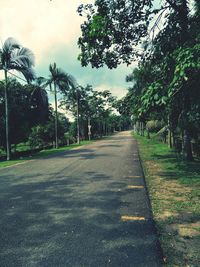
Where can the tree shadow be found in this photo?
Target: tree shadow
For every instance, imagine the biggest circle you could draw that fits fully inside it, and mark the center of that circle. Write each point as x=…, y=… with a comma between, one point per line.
x=53, y=221
x=176, y=168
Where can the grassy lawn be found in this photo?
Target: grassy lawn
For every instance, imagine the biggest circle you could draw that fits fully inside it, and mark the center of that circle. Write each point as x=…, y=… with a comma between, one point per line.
x=174, y=189
x=42, y=153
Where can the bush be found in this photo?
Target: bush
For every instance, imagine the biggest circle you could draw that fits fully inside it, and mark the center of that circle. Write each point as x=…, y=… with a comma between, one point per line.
x=154, y=126
x=36, y=137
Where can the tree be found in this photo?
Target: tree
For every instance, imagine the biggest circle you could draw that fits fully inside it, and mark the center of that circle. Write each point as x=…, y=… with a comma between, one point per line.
x=72, y=93
x=59, y=79
x=114, y=31
x=26, y=107
x=42, y=135
x=14, y=57
x=39, y=100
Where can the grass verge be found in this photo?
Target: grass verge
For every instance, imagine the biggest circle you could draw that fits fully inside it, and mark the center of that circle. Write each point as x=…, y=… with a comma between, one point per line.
x=174, y=190
x=42, y=153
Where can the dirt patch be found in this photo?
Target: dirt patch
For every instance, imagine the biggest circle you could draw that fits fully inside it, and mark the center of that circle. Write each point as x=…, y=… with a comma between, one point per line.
x=186, y=229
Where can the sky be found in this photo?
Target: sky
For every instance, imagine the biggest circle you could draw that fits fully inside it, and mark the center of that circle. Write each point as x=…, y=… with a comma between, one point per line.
x=50, y=28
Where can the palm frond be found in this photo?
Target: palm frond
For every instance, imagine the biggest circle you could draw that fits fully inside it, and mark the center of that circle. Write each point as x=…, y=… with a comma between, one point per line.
x=50, y=86
x=61, y=79
x=41, y=81
x=28, y=73
x=44, y=96
x=72, y=81
x=47, y=83
x=1, y=54
x=52, y=68
x=10, y=44
x=22, y=57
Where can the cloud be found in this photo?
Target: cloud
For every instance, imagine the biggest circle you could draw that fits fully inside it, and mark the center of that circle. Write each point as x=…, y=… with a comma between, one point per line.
x=40, y=25
x=66, y=57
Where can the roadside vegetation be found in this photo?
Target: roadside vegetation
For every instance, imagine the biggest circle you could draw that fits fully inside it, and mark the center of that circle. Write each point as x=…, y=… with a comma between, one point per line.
x=163, y=38
x=174, y=190
x=29, y=123
x=41, y=153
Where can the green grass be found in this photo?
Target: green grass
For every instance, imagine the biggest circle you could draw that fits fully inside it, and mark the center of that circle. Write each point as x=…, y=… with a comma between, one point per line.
x=187, y=173
x=174, y=190
x=43, y=153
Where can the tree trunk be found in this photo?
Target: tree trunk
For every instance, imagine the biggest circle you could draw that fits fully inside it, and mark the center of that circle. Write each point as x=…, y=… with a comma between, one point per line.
x=7, y=117
x=187, y=148
x=184, y=20
x=104, y=128
x=169, y=133
x=183, y=16
x=78, y=125
x=89, y=128
x=143, y=128
x=169, y=138
x=56, y=117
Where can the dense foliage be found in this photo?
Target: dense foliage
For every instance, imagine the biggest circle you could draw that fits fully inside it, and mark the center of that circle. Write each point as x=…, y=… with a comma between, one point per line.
x=32, y=119
x=165, y=40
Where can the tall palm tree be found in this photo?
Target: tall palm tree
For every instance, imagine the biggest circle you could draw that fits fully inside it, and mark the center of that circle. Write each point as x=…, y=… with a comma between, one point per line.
x=13, y=56
x=65, y=83
x=57, y=79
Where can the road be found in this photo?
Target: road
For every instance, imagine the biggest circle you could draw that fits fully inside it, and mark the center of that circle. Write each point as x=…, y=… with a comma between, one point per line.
x=86, y=207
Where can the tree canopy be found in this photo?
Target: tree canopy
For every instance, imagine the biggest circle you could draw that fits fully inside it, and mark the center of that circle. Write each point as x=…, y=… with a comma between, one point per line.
x=164, y=38
x=115, y=31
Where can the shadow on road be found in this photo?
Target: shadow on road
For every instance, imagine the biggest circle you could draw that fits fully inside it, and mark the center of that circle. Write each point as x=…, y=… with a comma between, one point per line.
x=54, y=222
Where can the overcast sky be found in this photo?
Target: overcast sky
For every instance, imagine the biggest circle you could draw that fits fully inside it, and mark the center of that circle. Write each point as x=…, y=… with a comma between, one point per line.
x=51, y=29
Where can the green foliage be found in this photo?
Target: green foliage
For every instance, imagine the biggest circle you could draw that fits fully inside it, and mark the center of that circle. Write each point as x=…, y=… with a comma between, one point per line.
x=154, y=126
x=187, y=67
x=26, y=109
x=153, y=98
x=111, y=31
x=36, y=137
x=165, y=84
x=164, y=170
x=114, y=30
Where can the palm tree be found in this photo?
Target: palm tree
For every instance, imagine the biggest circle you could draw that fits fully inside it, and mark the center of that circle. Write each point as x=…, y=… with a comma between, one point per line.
x=14, y=57
x=57, y=78
x=64, y=82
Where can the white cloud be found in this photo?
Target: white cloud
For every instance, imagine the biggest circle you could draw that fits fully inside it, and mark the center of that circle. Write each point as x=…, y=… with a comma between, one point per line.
x=40, y=25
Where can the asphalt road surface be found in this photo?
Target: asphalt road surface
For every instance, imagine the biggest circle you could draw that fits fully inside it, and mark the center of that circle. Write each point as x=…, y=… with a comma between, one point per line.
x=86, y=207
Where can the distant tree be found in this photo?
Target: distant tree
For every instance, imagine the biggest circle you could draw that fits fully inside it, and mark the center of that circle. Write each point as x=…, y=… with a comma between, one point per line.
x=72, y=96
x=43, y=135
x=26, y=108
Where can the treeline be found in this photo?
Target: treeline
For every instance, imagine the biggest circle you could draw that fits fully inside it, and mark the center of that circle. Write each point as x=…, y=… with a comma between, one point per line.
x=165, y=39
x=165, y=96
x=32, y=118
